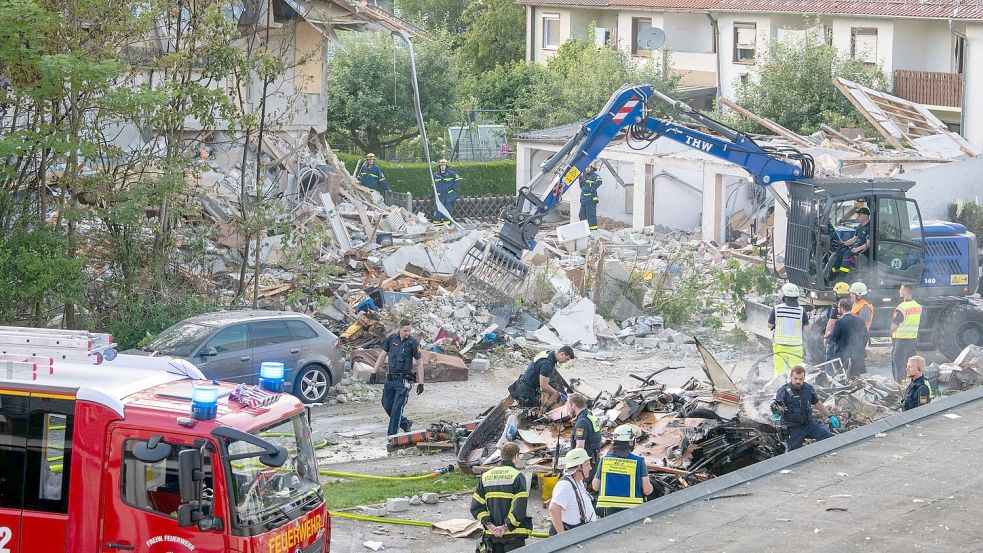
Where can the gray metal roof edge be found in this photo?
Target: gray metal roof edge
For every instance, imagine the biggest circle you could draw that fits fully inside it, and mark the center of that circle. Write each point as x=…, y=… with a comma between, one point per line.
x=746, y=474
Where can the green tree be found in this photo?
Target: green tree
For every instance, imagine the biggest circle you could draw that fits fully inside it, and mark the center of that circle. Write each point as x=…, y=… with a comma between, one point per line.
x=580, y=79
x=793, y=85
x=501, y=87
x=434, y=15
x=495, y=35
x=371, y=107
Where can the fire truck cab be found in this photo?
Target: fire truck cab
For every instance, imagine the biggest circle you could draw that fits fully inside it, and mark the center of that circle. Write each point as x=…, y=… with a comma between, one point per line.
x=111, y=453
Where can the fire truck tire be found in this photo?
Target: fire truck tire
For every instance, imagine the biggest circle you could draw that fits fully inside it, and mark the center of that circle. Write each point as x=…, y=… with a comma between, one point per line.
x=312, y=384
x=963, y=326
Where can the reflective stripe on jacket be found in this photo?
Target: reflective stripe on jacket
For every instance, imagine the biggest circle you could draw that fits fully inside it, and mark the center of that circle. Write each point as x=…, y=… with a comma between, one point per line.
x=621, y=486
x=500, y=499
x=788, y=324
x=908, y=329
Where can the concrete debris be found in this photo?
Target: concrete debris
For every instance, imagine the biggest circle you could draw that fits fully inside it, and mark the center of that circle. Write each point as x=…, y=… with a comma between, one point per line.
x=430, y=498
x=397, y=504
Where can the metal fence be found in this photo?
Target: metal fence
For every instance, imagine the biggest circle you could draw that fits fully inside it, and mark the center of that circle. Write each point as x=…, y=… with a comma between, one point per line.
x=482, y=208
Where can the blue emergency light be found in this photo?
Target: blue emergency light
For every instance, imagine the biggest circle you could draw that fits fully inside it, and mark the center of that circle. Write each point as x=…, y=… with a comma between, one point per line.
x=204, y=402
x=271, y=376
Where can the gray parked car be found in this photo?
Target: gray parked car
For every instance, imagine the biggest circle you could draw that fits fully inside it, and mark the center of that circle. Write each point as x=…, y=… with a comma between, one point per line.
x=231, y=345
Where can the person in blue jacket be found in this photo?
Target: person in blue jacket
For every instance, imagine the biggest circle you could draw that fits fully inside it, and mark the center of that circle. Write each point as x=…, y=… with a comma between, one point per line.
x=447, y=183
x=370, y=176
x=590, y=181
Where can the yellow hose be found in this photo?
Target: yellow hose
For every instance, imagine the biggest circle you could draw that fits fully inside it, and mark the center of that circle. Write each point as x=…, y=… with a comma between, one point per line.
x=374, y=477
x=406, y=522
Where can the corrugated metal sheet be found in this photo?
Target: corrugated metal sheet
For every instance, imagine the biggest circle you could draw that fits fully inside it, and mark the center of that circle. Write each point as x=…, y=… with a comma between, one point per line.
x=929, y=9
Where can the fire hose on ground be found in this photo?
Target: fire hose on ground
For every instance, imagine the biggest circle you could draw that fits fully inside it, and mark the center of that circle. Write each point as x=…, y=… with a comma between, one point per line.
x=386, y=520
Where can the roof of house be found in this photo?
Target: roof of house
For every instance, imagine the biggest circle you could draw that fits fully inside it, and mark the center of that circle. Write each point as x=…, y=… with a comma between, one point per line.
x=937, y=9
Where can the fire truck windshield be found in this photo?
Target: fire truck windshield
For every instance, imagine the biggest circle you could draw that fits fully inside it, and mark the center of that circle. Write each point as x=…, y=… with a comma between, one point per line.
x=272, y=495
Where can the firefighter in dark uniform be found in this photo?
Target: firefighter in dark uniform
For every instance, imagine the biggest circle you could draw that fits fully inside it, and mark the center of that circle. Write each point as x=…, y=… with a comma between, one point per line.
x=793, y=405
x=586, y=430
x=622, y=479
x=403, y=351
x=499, y=505
x=590, y=181
x=447, y=183
x=370, y=176
x=918, y=393
x=535, y=381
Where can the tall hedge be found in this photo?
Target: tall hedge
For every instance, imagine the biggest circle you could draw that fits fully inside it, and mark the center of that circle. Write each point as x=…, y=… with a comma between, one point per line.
x=481, y=178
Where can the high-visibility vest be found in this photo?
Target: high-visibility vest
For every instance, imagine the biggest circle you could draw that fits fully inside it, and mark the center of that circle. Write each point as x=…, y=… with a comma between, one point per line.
x=908, y=329
x=619, y=482
x=858, y=309
x=788, y=324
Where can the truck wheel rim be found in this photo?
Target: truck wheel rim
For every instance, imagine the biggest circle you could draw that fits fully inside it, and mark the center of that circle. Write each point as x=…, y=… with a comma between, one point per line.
x=313, y=384
x=970, y=333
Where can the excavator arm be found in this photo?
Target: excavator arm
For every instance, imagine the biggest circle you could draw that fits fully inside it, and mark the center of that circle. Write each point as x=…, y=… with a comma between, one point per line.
x=498, y=268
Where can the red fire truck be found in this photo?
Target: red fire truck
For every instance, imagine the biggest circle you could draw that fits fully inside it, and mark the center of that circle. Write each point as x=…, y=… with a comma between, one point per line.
x=112, y=453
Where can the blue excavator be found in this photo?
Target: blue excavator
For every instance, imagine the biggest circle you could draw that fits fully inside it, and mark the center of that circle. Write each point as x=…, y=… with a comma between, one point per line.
x=939, y=258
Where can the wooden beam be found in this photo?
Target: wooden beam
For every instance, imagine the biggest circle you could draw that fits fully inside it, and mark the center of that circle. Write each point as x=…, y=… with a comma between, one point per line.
x=848, y=92
x=769, y=124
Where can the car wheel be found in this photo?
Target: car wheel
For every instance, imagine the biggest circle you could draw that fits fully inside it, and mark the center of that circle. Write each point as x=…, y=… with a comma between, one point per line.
x=312, y=384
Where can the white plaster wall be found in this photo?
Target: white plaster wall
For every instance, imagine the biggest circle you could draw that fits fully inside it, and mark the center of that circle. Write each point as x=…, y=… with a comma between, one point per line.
x=922, y=46
x=942, y=184
x=544, y=54
x=688, y=32
x=730, y=72
x=973, y=106
x=842, y=27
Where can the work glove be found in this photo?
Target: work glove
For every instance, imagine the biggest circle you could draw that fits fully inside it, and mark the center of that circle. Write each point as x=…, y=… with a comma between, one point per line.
x=834, y=422
x=563, y=397
x=776, y=416
x=419, y=390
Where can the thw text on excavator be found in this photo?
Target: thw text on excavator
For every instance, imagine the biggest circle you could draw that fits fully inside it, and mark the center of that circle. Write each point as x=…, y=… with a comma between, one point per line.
x=939, y=258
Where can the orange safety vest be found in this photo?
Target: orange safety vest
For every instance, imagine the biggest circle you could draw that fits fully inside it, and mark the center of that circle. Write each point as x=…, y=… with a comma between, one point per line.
x=858, y=310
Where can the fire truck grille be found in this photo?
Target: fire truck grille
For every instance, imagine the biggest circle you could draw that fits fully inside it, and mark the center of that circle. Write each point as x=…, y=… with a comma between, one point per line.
x=316, y=547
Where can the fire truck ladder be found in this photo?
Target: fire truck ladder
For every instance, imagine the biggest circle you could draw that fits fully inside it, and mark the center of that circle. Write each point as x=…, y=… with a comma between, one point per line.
x=28, y=352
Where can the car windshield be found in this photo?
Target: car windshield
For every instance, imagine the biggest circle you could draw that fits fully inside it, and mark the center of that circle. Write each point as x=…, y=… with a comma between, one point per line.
x=180, y=340
x=264, y=494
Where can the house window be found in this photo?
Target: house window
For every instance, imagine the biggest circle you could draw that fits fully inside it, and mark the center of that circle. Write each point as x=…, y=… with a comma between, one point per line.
x=551, y=30
x=744, y=40
x=863, y=45
x=641, y=36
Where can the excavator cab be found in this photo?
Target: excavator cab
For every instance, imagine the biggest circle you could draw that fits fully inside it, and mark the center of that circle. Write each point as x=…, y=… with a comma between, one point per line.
x=823, y=215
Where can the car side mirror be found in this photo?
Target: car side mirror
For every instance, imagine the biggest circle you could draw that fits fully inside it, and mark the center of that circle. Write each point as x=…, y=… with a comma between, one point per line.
x=208, y=352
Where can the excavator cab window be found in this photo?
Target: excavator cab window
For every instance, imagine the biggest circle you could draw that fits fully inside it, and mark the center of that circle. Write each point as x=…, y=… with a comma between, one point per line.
x=899, y=245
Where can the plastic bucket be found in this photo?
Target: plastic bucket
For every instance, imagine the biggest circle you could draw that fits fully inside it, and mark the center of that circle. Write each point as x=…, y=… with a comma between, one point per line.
x=548, y=481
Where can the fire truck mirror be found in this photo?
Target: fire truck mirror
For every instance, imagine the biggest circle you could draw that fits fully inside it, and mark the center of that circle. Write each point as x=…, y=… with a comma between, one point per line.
x=153, y=451
x=190, y=474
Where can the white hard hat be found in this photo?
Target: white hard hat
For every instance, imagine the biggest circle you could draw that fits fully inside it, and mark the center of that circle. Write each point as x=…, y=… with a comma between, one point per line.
x=574, y=458
x=625, y=433
x=859, y=288
x=790, y=290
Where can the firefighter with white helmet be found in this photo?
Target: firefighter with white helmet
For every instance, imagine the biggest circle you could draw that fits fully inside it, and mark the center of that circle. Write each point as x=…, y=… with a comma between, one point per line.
x=861, y=307
x=788, y=320
x=622, y=479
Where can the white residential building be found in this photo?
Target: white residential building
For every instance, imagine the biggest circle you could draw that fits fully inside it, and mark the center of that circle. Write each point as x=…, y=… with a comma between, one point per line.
x=932, y=52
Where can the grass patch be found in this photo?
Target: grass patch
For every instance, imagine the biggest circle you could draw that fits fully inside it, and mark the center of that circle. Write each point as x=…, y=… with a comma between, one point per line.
x=349, y=493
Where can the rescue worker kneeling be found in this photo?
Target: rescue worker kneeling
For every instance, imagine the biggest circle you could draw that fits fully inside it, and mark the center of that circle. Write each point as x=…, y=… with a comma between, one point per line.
x=622, y=480
x=499, y=505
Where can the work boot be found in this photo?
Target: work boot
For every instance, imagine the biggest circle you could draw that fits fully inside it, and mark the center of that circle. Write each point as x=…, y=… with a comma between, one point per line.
x=406, y=425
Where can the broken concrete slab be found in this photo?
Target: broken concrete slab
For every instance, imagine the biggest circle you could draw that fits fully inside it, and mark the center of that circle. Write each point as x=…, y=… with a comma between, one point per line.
x=574, y=324
x=397, y=504
x=435, y=256
x=573, y=237
x=430, y=498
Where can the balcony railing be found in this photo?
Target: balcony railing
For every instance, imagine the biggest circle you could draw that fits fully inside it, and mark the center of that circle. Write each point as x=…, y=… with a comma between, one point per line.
x=927, y=87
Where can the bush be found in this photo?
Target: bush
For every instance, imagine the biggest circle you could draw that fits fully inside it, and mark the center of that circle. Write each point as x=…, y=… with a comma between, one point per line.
x=143, y=316
x=969, y=214
x=480, y=178
x=37, y=273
